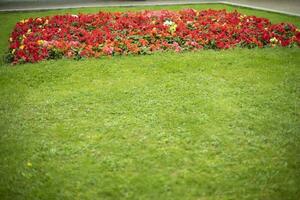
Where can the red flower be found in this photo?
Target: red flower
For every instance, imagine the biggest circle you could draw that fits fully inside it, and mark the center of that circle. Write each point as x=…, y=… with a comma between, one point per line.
x=87, y=35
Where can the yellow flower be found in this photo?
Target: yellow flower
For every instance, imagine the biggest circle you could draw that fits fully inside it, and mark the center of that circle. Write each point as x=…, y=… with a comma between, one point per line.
x=29, y=164
x=173, y=28
x=22, y=47
x=242, y=16
x=297, y=30
x=40, y=42
x=13, y=51
x=24, y=21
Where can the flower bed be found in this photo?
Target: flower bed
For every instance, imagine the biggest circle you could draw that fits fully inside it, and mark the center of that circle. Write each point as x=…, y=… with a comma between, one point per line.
x=96, y=35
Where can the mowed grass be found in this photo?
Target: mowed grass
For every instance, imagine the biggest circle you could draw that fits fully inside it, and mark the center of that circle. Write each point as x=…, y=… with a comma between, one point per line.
x=206, y=125
x=195, y=125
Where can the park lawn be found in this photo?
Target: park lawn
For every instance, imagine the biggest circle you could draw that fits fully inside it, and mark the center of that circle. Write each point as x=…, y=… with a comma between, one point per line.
x=195, y=125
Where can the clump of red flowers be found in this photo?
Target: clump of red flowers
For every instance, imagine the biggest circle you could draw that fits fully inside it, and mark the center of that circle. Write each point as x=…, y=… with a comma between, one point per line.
x=96, y=35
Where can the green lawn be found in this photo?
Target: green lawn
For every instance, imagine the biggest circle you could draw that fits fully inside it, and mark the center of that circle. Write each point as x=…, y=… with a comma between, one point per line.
x=197, y=125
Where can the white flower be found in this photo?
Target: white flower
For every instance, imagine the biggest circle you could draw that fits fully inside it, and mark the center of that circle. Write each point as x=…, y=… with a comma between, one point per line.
x=273, y=40
x=172, y=25
x=74, y=16
x=168, y=23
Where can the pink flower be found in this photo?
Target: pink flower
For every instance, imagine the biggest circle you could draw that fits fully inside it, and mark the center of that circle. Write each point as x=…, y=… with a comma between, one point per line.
x=176, y=47
x=108, y=50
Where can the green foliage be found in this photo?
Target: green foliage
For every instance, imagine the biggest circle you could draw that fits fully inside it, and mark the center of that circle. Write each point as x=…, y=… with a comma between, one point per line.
x=55, y=53
x=8, y=58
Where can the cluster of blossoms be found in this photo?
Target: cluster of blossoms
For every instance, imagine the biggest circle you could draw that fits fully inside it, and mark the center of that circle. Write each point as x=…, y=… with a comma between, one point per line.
x=95, y=35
